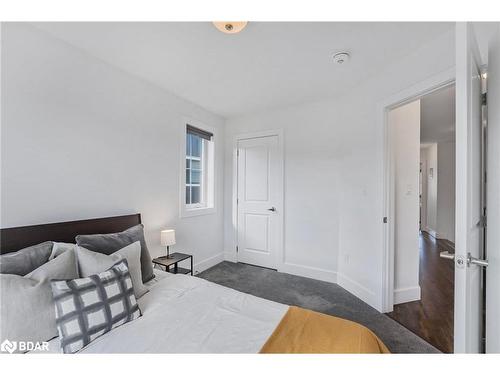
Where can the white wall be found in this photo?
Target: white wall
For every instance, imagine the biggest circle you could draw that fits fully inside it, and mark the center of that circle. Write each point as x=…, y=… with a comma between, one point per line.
x=334, y=175
x=440, y=197
x=423, y=191
x=445, y=215
x=430, y=153
x=404, y=125
x=82, y=139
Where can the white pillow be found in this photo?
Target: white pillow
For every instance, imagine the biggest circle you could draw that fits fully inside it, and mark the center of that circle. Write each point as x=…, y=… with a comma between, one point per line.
x=60, y=247
x=91, y=263
x=27, y=311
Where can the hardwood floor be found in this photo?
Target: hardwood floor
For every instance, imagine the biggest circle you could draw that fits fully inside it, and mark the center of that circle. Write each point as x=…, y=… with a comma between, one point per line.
x=432, y=317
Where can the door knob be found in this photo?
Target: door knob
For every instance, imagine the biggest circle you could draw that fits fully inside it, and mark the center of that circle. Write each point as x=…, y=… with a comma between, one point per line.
x=460, y=261
x=477, y=262
x=447, y=255
x=273, y=209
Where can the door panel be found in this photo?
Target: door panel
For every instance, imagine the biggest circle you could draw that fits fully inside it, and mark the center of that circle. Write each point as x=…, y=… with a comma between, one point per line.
x=469, y=194
x=257, y=169
x=260, y=190
x=256, y=232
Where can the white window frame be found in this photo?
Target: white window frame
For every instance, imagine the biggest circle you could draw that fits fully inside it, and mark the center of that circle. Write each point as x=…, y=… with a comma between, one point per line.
x=208, y=185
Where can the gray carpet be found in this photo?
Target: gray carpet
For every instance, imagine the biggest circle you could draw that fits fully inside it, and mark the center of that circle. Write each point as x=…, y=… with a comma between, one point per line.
x=316, y=295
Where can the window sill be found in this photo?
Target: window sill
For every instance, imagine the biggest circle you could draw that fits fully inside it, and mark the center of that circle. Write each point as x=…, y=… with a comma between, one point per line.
x=185, y=212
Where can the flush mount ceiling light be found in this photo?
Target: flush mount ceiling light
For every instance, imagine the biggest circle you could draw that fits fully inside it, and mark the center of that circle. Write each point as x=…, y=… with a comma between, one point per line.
x=341, y=58
x=230, y=27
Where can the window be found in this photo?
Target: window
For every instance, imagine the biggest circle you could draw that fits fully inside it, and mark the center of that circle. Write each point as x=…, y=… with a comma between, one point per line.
x=199, y=179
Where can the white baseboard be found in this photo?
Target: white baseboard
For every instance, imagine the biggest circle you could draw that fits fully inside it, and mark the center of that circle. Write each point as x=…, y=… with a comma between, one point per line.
x=406, y=295
x=432, y=232
x=359, y=291
x=445, y=236
x=439, y=236
x=207, y=263
x=307, y=271
x=322, y=274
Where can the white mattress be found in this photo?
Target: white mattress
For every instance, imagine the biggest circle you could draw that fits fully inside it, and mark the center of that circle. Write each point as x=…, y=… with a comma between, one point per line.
x=185, y=314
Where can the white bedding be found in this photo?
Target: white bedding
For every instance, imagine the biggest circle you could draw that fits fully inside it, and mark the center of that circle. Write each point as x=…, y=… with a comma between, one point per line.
x=185, y=314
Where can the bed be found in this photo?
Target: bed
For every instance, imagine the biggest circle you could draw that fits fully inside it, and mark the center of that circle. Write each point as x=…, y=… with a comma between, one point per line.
x=186, y=314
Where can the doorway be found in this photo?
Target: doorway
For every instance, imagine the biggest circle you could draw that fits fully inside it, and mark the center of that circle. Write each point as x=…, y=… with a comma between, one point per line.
x=259, y=199
x=423, y=136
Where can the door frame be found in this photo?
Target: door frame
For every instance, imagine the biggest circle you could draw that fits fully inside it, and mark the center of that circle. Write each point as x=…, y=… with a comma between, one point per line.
x=417, y=91
x=280, y=205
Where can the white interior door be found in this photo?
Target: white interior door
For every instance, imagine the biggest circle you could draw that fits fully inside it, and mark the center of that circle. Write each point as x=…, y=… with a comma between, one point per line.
x=469, y=194
x=493, y=199
x=259, y=201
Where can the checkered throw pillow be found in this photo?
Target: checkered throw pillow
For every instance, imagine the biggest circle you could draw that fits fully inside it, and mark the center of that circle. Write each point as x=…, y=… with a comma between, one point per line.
x=89, y=307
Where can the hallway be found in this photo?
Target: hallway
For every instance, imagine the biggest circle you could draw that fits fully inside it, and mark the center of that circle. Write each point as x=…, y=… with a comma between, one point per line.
x=432, y=317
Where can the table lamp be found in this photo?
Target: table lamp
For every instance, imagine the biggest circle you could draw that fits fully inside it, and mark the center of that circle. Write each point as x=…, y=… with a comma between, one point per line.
x=168, y=239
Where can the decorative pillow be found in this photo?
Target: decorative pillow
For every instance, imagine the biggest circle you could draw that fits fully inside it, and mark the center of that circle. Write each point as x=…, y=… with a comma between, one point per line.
x=89, y=307
x=90, y=263
x=25, y=260
x=109, y=243
x=60, y=247
x=27, y=308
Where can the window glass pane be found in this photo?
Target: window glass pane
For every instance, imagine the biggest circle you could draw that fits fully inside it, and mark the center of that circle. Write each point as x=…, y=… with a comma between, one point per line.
x=188, y=176
x=195, y=164
x=195, y=145
x=188, y=163
x=188, y=195
x=195, y=177
x=195, y=194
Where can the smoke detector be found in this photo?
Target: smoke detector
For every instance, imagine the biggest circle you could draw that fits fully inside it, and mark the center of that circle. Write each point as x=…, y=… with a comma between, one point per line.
x=341, y=58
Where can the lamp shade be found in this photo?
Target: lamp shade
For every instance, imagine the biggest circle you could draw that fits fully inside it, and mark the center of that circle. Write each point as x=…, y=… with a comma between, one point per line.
x=168, y=237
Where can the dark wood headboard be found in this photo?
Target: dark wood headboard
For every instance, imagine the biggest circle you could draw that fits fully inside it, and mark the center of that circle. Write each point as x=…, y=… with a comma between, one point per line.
x=13, y=239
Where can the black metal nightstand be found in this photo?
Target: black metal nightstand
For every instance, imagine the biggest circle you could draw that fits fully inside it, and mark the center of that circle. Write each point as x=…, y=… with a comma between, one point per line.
x=174, y=260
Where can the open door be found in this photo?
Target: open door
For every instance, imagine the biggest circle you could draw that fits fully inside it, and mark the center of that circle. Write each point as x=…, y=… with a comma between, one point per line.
x=470, y=197
x=493, y=198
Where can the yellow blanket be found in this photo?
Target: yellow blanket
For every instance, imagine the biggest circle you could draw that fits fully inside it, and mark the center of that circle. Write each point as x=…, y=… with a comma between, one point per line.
x=306, y=331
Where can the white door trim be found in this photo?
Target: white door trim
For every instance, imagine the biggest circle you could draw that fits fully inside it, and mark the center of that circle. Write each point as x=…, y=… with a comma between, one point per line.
x=280, y=205
x=427, y=86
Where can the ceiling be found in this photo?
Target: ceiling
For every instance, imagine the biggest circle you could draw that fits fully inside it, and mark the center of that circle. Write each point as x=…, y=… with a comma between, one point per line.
x=267, y=65
x=484, y=31
x=437, y=116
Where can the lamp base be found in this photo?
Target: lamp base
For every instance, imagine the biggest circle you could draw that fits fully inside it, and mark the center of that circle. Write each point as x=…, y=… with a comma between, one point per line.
x=168, y=253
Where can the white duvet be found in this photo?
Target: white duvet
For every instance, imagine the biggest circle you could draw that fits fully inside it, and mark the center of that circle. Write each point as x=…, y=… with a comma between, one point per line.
x=185, y=314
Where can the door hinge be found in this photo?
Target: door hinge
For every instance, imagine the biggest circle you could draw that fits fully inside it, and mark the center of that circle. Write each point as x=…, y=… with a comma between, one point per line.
x=237, y=249
x=384, y=220
x=484, y=99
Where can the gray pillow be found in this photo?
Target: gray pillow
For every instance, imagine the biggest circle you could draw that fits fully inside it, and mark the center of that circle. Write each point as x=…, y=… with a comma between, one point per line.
x=91, y=263
x=25, y=260
x=109, y=243
x=27, y=307
x=87, y=308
